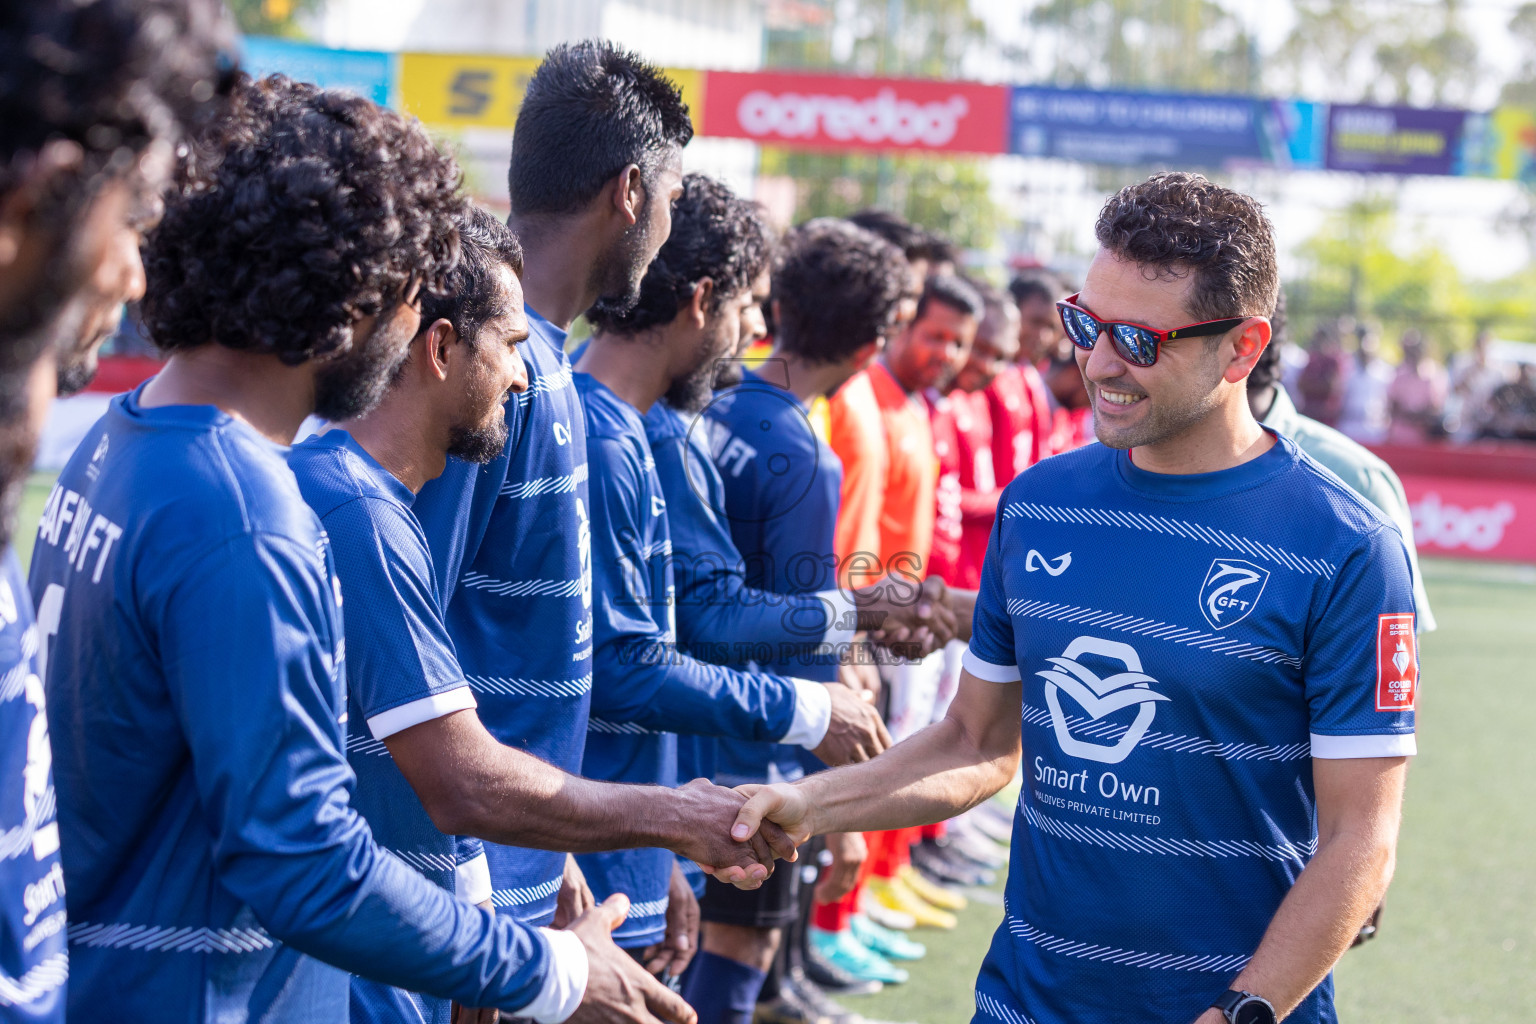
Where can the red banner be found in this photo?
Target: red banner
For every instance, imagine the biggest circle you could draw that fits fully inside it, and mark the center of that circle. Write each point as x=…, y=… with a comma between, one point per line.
x=1472, y=502
x=839, y=112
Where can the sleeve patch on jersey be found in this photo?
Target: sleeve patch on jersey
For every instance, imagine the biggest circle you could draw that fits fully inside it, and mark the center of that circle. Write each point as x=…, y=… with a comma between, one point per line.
x=1397, y=662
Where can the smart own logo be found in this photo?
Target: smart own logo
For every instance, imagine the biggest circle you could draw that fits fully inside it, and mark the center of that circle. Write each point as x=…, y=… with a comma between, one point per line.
x=1100, y=696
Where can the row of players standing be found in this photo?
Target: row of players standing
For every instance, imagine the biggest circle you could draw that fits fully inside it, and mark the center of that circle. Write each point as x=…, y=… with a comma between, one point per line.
x=206, y=693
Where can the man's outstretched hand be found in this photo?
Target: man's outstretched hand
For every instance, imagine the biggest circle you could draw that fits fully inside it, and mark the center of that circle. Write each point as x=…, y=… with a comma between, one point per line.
x=912, y=624
x=856, y=732
x=618, y=989
x=779, y=805
x=705, y=813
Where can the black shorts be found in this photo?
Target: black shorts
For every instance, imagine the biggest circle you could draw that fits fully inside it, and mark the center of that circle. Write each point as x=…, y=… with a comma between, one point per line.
x=775, y=904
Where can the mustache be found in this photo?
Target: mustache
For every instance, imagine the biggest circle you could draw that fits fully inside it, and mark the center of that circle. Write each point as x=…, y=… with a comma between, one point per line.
x=1122, y=384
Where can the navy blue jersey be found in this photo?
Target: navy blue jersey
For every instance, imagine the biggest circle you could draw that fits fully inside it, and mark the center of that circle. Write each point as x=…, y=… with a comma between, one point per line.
x=780, y=486
x=34, y=962
x=197, y=699
x=510, y=542
x=401, y=669
x=1187, y=645
x=646, y=690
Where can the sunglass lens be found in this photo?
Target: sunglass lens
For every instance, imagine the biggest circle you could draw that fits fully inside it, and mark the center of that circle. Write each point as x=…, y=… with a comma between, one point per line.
x=1137, y=346
x=1081, y=328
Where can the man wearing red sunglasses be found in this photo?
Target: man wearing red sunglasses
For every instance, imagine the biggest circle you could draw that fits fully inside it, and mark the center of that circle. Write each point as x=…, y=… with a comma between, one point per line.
x=1200, y=644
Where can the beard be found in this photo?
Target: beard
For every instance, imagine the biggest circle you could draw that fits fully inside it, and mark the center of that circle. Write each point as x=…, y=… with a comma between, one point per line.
x=691, y=392
x=18, y=445
x=623, y=267
x=478, y=445
x=352, y=383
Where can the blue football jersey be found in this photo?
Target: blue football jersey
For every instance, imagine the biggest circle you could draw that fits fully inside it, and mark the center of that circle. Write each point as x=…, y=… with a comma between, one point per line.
x=510, y=542
x=780, y=486
x=1187, y=645
x=34, y=962
x=646, y=689
x=196, y=696
x=401, y=669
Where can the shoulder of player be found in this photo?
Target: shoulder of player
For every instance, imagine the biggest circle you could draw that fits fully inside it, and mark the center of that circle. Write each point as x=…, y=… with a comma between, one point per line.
x=1052, y=478
x=1319, y=495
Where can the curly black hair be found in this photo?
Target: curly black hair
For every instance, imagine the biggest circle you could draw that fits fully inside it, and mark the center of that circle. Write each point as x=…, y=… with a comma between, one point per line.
x=471, y=296
x=112, y=77
x=912, y=240
x=837, y=287
x=591, y=109
x=315, y=208
x=715, y=234
x=1181, y=223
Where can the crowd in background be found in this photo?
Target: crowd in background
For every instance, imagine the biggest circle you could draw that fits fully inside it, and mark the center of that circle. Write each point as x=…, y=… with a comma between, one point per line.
x=1344, y=380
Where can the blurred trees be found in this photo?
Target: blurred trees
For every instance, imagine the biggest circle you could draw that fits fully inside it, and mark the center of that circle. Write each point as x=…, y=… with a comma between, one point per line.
x=271, y=17
x=904, y=38
x=1351, y=51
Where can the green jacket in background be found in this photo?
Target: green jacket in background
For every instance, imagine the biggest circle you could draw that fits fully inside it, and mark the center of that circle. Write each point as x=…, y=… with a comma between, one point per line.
x=1365, y=473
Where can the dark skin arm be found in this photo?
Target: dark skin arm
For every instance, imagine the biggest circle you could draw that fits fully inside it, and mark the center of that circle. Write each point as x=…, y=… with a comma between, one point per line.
x=472, y=785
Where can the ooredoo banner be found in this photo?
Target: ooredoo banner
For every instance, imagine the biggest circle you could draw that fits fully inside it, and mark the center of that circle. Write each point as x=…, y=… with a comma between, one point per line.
x=837, y=112
x=1473, y=502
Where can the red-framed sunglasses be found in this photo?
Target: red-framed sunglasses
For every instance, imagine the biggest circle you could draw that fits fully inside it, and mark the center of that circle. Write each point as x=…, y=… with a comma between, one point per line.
x=1137, y=344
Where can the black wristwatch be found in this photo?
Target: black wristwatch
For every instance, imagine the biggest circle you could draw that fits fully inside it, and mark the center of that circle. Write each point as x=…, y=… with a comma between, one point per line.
x=1244, y=1008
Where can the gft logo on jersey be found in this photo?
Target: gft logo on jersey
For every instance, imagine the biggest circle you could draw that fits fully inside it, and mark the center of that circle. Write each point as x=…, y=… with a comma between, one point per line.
x=1231, y=591
x=1100, y=696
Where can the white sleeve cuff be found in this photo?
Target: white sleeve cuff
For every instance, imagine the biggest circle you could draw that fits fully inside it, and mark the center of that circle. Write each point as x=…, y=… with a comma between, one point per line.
x=986, y=671
x=566, y=982
x=813, y=715
x=1333, y=748
x=842, y=618
x=387, y=723
x=472, y=880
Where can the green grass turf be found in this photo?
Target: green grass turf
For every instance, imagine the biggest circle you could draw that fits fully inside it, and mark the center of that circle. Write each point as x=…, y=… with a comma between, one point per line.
x=1458, y=942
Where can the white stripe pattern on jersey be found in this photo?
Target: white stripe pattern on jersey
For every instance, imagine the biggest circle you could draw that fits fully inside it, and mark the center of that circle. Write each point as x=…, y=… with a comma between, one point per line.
x=1296, y=853
x=1212, y=642
x=998, y=1011
x=362, y=743
x=527, y=894
x=608, y=728
x=17, y=839
x=41, y=978
x=521, y=588
x=426, y=861
x=1174, y=527
x=166, y=939
x=564, y=484
x=1175, y=742
x=1215, y=962
x=557, y=381
x=14, y=682
x=650, y=908
x=531, y=687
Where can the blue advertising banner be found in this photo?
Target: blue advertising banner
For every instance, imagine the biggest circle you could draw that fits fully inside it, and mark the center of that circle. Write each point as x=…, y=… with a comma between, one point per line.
x=1395, y=140
x=364, y=72
x=1162, y=129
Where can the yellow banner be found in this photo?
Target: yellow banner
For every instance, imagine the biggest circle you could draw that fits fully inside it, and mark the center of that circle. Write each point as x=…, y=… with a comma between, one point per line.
x=460, y=90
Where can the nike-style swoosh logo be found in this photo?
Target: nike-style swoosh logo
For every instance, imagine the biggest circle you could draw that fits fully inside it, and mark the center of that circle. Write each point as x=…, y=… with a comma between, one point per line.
x=1035, y=560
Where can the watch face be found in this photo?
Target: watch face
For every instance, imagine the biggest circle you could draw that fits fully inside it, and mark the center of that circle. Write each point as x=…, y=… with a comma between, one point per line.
x=1254, y=1012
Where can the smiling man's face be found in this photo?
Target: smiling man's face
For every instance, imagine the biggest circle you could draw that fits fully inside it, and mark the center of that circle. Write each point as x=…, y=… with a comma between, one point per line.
x=1134, y=406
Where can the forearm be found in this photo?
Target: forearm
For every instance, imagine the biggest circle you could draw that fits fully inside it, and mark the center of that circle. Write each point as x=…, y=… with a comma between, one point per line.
x=945, y=769
x=666, y=690
x=513, y=798
x=1318, y=919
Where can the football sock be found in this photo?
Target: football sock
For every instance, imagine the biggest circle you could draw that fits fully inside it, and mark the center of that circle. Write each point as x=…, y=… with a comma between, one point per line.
x=721, y=990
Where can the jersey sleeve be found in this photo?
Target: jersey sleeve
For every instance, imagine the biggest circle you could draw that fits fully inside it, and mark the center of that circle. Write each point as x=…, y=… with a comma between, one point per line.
x=639, y=675
x=716, y=609
x=1361, y=666
x=401, y=665
x=454, y=510
x=250, y=670
x=863, y=488
x=1382, y=488
x=471, y=870
x=991, y=655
